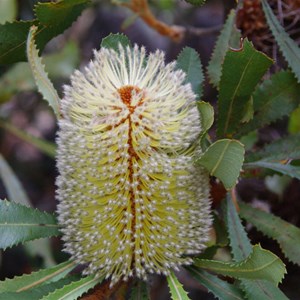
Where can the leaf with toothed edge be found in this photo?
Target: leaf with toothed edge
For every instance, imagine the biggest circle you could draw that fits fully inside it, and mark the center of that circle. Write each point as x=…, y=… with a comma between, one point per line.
x=176, y=288
x=286, y=234
x=112, y=41
x=288, y=47
x=188, y=61
x=19, y=224
x=74, y=290
x=35, y=279
x=229, y=36
x=45, y=86
x=219, y=288
x=241, y=248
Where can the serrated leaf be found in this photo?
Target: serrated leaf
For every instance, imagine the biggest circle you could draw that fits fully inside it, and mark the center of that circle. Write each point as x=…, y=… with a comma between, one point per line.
x=39, y=292
x=241, y=72
x=286, y=234
x=261, y=264
x=196, y=2
x=139, y=291
x=284, y=148
x=229, y=36
x=286, y=169
x=35, y=279
x=44, y=146
x=112, y=41
x=176, y=288
x=19, y=224
x=241, y=249
x=52, y=18
x=8, y=10
x=44, y=85
x=12, y=184
x=73, y=290
x=288, y=47
x=272, y=100
x=220, y=288
x=188, y=61
x=223, y=159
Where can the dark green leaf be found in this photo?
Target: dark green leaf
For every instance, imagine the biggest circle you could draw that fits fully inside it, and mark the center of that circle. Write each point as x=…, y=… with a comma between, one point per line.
x=224, y=159
x=113, y=40
x=176, y=288
x=52, y=18
x=284, y=148
x=35, y=279
x=196, y=2
x=241, y=248
x=287, y=235
x=39, y=292
x=73, y=290
x=241, y=72
x=273, y=99
x=286, y=169
x=188, y=61
x=139, y=291
x=220, y=288
x=288, y=47
x=19, y=224
x=229, y=36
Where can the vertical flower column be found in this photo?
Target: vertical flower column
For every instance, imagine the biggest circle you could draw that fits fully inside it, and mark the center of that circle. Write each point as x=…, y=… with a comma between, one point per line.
x=131, y=200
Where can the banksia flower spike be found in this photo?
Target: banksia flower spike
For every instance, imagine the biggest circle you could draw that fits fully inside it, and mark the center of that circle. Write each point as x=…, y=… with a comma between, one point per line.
x=131, y=200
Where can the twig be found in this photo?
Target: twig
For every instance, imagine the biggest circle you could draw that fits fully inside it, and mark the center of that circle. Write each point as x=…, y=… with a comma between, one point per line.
x=234, y=199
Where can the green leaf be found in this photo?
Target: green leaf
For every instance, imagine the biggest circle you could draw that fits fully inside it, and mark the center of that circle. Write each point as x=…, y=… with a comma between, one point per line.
x=139, y=291
x=20, y=223
x=229, y=36
x=286, y=234
x=73, y=290
x=176, y=289
x=241, y=249
x=220, y=288
x=223, y=159
x=8, y=10
x=294, y=121
x=261, y=264
x=272, y=100
x=196, y=2
x=112, y=41
x=39, y=292
x=241, y=72
x=52, y=18
x=188, y=61
x=45, y=86
x=44, y=146
x=286, y=169
x=12, y=184
x=284, y=148
x=288, y=47
x=36, y=279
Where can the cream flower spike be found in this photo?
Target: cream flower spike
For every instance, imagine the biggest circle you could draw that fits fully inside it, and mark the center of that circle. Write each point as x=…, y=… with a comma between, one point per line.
x=131, y=200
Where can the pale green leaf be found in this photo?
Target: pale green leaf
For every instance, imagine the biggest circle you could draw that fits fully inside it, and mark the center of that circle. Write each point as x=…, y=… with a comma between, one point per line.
x=294, y=121
x=286, y=169
x=288, y=47
x=220, y=288
x=229, y=36
x=35, y=279
x=176, y=288
x=207, y=115
x=12, y=184
x=73, y=290
x=114, y=40
x=8, y=10
x=261, y=264
x=188, y=61
x=286, y=234
x=241, y=249
x=272, y=100
x=223, y=159
x=44, y=85
x=44, y=146
x=241, y=72
x=20, y=223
